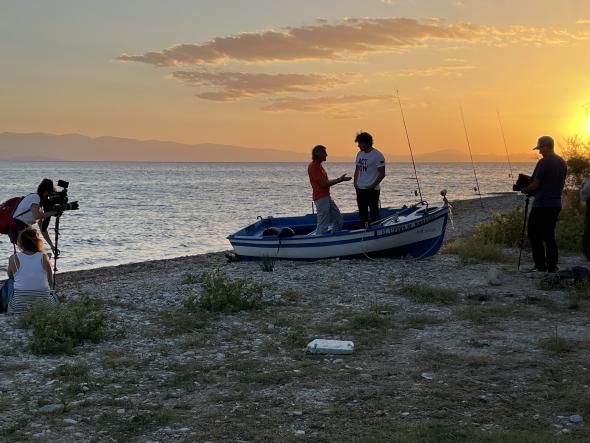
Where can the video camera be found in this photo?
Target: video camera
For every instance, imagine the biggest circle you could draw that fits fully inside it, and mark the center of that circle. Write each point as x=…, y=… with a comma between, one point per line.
x=58, y=201
x=522, y=182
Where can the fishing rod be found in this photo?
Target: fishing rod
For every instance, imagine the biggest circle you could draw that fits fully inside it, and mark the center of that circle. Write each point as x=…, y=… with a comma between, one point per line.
x=505, y=146
x=409, y=145
x=471, y=156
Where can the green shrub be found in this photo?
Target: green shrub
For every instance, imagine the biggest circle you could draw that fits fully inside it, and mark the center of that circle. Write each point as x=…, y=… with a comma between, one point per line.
x=59, y=328
x=503, y=229
x=221, y=294
x=506, y=229
x=475, y=250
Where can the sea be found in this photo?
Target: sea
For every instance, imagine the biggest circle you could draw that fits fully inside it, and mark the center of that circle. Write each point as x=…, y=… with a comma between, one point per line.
x=134, y=212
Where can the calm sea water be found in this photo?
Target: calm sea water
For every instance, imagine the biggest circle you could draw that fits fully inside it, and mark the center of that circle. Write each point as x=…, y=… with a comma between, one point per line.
x=132, y=212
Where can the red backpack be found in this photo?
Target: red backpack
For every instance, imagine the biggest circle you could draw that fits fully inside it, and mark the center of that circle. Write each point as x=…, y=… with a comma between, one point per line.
x=7, y=209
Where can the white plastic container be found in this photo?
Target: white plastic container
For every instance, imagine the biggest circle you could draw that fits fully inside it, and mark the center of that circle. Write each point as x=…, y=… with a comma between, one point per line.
x=321, y=346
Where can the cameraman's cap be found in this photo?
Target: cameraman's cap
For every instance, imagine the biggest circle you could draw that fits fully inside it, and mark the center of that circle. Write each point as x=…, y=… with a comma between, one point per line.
x=544, y=141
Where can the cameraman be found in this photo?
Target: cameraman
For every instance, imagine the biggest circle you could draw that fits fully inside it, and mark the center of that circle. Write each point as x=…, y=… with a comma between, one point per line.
x=547, y=185
x=30, y=210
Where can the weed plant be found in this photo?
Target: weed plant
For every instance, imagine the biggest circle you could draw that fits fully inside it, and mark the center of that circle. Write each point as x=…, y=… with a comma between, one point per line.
x=267, y=264
x=556, y=344
x=423, y=293
x=221, y=294
x=190, y=279
x=57, y=329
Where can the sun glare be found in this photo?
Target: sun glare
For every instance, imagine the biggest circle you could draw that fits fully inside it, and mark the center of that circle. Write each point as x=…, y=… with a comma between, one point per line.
x=586, y=126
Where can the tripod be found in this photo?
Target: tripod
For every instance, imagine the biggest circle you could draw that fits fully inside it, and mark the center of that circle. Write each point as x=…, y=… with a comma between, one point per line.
x=526, y=213
x=56, y=252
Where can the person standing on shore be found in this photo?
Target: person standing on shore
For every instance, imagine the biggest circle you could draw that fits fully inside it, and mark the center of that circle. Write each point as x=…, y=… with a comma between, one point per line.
x=547, y=187
x=328, y=213
x=585, y=197
x=369, y=172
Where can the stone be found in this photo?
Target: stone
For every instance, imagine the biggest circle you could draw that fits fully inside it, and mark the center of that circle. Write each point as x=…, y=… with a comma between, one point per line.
x=576, y=419
x=54, y=408
x=70, y=421
x=427, y=375
x=494, y=277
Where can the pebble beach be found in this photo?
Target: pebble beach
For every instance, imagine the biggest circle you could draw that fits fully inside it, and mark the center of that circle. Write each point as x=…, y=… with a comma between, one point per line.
x=479, y=363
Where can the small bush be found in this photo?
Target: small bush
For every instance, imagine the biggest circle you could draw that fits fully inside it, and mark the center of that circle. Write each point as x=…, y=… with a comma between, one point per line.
x=59, y=328
x=506, y=229
x=503, y=229
x=475, y=250
x=423, y=293
x=221, y=294
x=371, y=318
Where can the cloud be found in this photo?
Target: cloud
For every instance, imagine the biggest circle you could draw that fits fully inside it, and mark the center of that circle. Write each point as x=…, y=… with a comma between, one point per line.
x=440, y=71
x=350, y=37
x=233, y=86
x=337, y=106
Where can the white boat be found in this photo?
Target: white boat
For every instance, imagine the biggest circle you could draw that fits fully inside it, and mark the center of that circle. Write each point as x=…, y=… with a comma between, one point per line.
x=416, y=231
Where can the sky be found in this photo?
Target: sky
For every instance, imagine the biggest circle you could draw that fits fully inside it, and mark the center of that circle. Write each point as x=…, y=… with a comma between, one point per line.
x=291, y=74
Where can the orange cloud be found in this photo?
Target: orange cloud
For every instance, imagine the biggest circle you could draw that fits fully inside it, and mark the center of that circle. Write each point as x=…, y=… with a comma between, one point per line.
x=324, y=104
x=444, y=71
x=350, y=37
x=236, y=85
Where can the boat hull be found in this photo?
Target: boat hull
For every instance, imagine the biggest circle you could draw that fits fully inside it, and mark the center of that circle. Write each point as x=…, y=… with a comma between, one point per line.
x=407, y=235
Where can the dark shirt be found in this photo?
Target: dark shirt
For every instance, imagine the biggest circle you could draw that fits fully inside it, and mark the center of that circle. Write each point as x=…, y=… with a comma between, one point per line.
x=550, y=171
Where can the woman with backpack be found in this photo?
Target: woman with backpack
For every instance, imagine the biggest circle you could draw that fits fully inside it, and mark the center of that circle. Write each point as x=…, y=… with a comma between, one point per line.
x=31, y=271
x=30, y=211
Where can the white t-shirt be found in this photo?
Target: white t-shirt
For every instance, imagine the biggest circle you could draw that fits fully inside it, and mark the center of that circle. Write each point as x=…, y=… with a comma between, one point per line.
x=368, y=164
x=25, y=204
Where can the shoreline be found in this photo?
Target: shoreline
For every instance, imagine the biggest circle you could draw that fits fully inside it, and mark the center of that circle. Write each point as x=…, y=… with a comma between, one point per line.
x=462, y=219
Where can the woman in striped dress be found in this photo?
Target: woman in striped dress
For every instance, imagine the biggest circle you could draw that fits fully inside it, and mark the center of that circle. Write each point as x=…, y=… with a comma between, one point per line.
x=31, y=271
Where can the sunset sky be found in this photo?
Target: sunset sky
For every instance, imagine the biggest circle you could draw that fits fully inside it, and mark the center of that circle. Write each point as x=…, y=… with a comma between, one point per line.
x=290, y=74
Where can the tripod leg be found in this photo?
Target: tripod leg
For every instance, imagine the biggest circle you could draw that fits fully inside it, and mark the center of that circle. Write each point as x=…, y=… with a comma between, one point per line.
x=526, y=212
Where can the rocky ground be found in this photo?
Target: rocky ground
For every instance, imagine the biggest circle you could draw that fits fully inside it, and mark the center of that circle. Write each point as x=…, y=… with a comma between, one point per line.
x=444, y=351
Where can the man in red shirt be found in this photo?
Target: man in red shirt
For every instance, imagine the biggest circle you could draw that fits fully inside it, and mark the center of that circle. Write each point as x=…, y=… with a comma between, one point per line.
x=327, y=212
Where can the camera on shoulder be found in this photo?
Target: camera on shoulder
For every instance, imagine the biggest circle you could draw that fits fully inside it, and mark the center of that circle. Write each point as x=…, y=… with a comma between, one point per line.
x=522, y=182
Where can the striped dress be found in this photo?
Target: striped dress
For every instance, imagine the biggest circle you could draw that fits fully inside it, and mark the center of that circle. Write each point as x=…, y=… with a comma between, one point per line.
x=30, y=283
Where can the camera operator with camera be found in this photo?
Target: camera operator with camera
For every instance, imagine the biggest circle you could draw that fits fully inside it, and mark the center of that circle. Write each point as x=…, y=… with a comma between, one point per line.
x=546, y=185
x=35, y=208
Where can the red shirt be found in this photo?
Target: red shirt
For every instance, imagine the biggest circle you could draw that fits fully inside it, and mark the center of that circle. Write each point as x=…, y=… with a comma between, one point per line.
x=316, y=174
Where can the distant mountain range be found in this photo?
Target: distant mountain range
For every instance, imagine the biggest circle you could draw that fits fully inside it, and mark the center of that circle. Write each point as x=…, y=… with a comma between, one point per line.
x=76, y=147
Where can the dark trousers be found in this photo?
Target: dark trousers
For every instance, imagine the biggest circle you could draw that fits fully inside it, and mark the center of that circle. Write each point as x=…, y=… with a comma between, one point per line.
x=367, y=198
x=541, y=231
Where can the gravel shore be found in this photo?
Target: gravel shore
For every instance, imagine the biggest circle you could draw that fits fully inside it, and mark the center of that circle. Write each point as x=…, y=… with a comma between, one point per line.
x=484, y=360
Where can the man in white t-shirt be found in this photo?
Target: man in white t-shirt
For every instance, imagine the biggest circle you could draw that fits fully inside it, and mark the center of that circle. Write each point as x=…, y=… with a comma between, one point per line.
x=369, y=172
x=30, y=211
